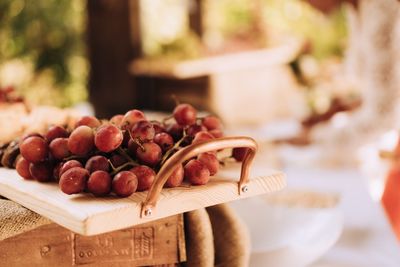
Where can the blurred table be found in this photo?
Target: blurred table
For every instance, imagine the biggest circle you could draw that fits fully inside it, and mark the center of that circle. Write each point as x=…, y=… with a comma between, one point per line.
x=367, y=239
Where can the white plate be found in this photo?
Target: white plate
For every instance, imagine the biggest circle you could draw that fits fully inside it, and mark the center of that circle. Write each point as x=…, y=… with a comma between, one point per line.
x=284, y=236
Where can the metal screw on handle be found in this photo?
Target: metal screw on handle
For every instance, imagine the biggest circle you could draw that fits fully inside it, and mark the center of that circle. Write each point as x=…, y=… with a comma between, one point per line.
x=148, y=212
x=192, y=151
x=245, y=189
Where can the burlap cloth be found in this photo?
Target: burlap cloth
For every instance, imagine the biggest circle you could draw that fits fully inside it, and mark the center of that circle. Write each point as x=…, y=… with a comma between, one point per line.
x=214, y=236
x=15, y=219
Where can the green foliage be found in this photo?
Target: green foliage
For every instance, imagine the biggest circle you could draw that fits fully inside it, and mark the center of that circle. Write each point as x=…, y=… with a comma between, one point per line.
x=48, y=36
x=326, y=33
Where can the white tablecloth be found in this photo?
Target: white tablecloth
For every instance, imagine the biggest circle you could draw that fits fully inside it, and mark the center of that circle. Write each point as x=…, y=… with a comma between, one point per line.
x=367, y=239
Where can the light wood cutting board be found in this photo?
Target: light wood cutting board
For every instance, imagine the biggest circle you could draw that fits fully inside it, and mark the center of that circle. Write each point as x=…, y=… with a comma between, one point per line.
x=87, y=215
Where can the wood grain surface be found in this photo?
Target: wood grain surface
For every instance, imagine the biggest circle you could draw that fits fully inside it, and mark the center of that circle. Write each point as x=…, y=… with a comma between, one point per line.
x=87, y=215
x=154, y=243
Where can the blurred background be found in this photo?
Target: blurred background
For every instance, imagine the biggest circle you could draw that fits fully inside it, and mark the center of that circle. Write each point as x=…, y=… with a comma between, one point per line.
x=315, y=82
x=64, y=53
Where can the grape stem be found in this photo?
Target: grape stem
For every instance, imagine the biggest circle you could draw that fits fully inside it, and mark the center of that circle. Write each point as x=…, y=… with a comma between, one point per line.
x=73, y=157
x=164, y=121
x=172, y=149
x=125, y=155
x=175, y=98
x=223, y=160
x=137, y=141
x=123, y=166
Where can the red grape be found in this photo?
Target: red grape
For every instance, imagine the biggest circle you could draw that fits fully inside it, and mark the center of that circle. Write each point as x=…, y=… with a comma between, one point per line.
x=97, y=163
x=34, y=149
x=239, y=153
x=185, y=114
x=158, y=127
x=124, y=183
x=176, y=177
x=216, y=133
x=25, y=136
x=117, y=160
x=196, y=172
x=145, y=176
x=22, y=168
x=73, y=181
x=175, y=130
x=41, y=171
x=211, y=123
x=132, y=147
x=164, y=140
x=133, y=116
x=99, y=183
x=56, y=132
x=143, y=130
x=211, y=161
x=192, y=130
x=56, y=171
x=200, y=137
x=108, y=138
x=127, y=137
x=59, y=148
x=69, y=165
x=150, y=153
x=81, y=140
x=117, y=120
x=89, y=121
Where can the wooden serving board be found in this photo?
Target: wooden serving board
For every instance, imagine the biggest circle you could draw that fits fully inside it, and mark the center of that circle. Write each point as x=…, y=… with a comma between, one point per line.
x=87, y=215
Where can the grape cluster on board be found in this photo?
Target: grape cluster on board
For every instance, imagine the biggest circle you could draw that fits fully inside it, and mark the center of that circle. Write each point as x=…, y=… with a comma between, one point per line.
x=121, y=155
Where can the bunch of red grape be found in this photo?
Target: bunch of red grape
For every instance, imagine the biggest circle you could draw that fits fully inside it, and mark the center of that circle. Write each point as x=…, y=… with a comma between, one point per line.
x=8, y=95
x=121, y=155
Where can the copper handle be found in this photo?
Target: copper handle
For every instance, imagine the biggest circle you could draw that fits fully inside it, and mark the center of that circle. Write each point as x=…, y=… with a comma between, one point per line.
x=192, y=151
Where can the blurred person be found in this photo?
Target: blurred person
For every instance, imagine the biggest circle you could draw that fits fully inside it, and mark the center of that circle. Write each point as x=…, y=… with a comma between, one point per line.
x=370, y=63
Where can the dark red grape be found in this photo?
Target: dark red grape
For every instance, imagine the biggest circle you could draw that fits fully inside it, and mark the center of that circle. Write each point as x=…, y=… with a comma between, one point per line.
x=150, y=153
x=192, y=130
x=239, y=153
x=69, y=165
x=108, y=138
x=97, y=163
x=132, y=147
x=196, y=172
x=158, y=127
x=56, y=171
x=176, y=131
x=164, y=140
x=89, y=121
x=127, y=137
x=34, y=149
x=41, y=171
x=73, y=181
x=124, y=184
x=176, y=177
x=25, y=136
x=145, y=176
x=117, y=160
x=56, y=132
x=99, y=183
x=185, y=114
x=22, y=168
x=59, y=148
x=211, y=161
x=132, y=117
x=143, y=130
x=117, y=120
x=211, y=123
x=200, y=137
x=81, y=140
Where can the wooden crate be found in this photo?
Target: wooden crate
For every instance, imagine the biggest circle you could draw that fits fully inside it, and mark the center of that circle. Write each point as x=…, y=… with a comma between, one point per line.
x=160, y=242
